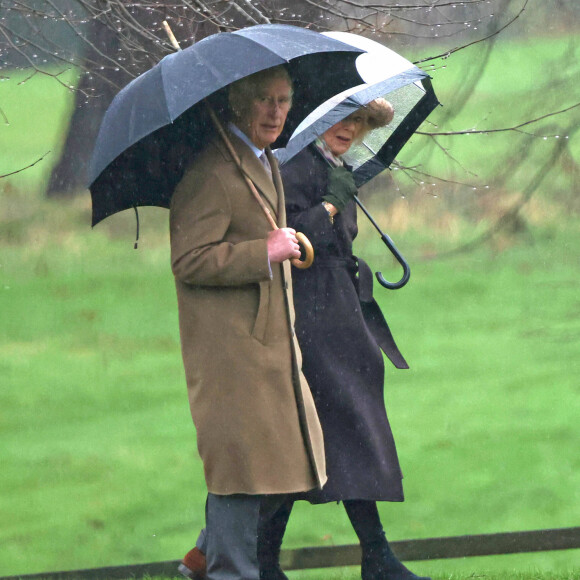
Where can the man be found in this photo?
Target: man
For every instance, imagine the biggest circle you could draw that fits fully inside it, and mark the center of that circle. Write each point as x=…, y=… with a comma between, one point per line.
x=257, y=430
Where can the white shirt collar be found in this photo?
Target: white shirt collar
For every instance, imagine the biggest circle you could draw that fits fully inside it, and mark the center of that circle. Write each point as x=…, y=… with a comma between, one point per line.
x=239, y=133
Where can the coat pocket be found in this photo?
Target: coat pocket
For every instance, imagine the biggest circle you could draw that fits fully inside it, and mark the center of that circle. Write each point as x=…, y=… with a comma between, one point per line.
x=261, y=322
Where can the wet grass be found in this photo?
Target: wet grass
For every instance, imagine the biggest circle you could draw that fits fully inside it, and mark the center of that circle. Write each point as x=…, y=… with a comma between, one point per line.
x=98, y=458
x=99, y=465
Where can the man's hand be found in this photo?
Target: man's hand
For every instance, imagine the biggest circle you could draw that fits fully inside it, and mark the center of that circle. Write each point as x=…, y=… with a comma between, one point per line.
x=282, y=245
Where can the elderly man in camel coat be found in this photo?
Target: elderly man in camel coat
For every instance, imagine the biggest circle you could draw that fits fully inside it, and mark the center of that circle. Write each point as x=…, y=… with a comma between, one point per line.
x=258, y=433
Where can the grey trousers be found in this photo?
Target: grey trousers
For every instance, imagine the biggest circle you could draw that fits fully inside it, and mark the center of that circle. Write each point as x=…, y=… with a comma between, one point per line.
x=230, y=539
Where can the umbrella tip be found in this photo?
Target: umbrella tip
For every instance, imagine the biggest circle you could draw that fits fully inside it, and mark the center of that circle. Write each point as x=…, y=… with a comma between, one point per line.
x=170, y=35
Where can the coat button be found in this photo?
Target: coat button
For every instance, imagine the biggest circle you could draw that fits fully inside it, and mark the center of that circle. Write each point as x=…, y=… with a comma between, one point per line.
x=286, y=285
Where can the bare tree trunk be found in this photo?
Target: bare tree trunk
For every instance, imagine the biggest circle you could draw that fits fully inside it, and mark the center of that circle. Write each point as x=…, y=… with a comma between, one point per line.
x=94, y=95
x=108, y=41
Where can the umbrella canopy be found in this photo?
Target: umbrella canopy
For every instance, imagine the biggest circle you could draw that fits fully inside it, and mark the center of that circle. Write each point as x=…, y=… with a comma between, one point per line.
x=386, y=74
x=162, y=111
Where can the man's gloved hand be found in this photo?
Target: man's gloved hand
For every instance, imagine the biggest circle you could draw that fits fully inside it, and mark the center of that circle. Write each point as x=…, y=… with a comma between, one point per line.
x=341, y=188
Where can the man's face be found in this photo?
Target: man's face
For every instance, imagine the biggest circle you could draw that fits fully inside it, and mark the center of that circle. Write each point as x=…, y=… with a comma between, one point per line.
x=267, y=114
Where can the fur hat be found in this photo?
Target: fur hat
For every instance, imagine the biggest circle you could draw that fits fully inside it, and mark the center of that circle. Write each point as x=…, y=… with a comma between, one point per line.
x=379, y=113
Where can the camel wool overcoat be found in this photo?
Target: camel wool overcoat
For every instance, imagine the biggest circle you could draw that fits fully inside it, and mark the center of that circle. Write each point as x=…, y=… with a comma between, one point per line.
x=257, y=428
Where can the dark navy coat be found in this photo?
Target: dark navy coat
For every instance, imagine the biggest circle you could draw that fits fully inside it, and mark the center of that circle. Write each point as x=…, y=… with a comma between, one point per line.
x=341, y=331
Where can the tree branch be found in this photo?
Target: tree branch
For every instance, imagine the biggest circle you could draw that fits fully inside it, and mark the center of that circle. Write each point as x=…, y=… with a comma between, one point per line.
x=503, y=130
x=448, y=53
x=527, y=194
x=25, y=168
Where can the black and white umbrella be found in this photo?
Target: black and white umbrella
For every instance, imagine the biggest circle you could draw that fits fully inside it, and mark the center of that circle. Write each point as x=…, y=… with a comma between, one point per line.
x=406, y=87
x=388, y=75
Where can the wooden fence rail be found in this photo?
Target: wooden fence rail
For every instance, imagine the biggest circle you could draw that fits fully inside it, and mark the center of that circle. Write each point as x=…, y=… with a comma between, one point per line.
x=333, y=556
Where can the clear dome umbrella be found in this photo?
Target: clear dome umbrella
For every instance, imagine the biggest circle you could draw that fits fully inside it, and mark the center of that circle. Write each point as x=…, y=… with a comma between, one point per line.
x=387, y=75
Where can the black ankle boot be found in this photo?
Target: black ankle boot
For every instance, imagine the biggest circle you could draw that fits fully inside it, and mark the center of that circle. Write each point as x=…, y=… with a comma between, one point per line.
x=380, y=563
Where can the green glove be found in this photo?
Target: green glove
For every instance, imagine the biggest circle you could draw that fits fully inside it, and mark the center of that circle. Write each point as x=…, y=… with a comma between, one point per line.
x=341, y=188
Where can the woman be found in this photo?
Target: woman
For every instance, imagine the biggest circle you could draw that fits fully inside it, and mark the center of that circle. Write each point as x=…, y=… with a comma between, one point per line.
x=341, y=339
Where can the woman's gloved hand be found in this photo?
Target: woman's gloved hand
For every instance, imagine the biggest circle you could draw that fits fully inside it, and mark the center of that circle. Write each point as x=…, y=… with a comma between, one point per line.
x=341, y=187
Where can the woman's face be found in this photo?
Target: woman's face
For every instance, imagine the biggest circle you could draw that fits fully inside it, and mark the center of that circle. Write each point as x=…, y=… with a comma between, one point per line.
x=266, y=116
x=340, y=137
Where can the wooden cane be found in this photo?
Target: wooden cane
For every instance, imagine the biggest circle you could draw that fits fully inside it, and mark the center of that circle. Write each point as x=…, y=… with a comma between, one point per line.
x=302, y=239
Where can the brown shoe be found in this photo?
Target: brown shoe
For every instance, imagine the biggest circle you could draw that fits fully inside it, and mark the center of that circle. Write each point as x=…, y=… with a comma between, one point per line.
x=193, y=565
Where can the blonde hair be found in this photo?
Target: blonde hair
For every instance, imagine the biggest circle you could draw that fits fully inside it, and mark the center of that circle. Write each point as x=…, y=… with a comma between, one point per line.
x=378, y=113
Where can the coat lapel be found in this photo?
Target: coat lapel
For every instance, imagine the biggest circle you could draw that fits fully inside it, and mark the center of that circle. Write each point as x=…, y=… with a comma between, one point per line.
x=267, y=186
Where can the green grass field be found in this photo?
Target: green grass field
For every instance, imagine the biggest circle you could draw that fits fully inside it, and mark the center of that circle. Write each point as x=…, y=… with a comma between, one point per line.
x=97, y=454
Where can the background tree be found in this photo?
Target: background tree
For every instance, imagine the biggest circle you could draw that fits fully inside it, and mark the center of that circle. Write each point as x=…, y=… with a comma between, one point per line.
x=112, y=41
x=98, y=446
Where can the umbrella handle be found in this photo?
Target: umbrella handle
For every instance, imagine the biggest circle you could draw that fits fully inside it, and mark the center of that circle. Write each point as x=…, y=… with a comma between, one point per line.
x=308, y=253
x=406, y=268
x=302, y=239
x=390, y=244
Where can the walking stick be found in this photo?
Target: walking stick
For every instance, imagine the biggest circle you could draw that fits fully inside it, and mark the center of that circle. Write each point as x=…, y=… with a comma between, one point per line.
x=302, y=239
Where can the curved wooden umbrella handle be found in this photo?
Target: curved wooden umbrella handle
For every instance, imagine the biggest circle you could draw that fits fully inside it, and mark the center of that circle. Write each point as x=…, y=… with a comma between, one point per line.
x=308, y=251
